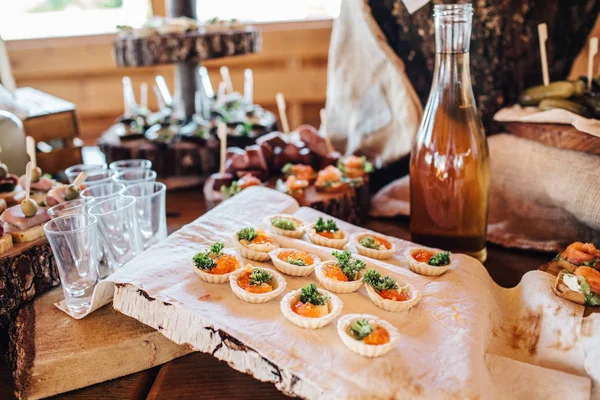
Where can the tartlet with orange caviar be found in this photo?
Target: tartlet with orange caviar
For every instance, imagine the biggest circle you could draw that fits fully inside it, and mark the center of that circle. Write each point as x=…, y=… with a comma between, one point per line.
x=256, y=285
x=388, y=294
x=294, y=262
x=374, y=245
x=310, y=308
x=428, y=262
x=285, y=225
x=254, y=244
x=342, y=275
x=215, y=265
x=326, y=233
x=367, y=335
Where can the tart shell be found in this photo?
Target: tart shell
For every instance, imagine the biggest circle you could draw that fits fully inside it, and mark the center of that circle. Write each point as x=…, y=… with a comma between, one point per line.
x=335, y=308
x=251, y=254
x=372, y=253
x=358, y=346
x=337, y=286
x=256, y=298
x=296, y=234
x=291, y=269
x=392, y=305
x=424, y=268
x=216, y=278
x=325, y=242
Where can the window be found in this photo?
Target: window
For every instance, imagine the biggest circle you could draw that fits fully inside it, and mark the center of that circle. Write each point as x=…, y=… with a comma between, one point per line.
x=27, y=19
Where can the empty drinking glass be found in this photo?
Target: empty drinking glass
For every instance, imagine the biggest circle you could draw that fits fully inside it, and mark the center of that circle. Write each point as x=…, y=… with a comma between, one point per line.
x=118, y=166
x=131, y=176
x=151, y=211
x=77, y=206
x=73, y=241
x=98, y=177
x=102, y=192
x=75, y=170
x=118, y=233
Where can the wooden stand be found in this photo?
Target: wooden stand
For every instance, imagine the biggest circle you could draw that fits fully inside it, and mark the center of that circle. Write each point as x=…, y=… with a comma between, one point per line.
x=561, y=136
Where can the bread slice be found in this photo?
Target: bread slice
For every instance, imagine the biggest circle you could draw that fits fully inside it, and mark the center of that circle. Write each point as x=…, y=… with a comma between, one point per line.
x=6, y=243
x=29, y=235
x=563, y=290
x=13, y=197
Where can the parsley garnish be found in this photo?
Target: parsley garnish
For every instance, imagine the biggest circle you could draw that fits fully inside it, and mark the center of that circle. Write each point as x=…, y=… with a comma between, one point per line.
x=248, y=234
x=231, y=190
x=310, y=294
x=379, y=283
x=589, y=263
x=296, y=261
x=361, y=328
x=440, y=259
x=204, y=261
x=287, y=169
x=349, y=266
x=285, y=224
x=326, y=226
x=259, y=276
x=369, y=243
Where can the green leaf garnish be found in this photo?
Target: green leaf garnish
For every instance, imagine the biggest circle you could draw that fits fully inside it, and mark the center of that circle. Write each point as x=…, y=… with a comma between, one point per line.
x=296, y=261
x=260, y=276
x=369, y=243
x=326, y=226
x=217, y=249
x=248, y=234
x=349, y=266
x=285, y=224
x=287, y=169
x=379, y=283
x=205, y=260
x=231, y=190
x=440, y=259
x=310, y=294
x=361, y=328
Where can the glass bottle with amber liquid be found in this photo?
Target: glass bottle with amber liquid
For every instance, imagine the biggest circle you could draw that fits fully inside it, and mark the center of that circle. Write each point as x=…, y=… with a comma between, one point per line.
x=449, y=165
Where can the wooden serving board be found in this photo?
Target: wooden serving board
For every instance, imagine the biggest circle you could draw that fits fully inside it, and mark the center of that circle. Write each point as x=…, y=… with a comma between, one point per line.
x=53, y=353
x=561, y=136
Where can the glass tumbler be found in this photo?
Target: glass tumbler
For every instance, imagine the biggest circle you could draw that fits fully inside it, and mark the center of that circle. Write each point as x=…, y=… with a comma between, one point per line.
x=150, y=204
x=120, y=165
x=98, y=177
x=75, y=170
x=102, y=192
x=77, y=206
x=131, y=176
x=118, y=233
x=73, y=239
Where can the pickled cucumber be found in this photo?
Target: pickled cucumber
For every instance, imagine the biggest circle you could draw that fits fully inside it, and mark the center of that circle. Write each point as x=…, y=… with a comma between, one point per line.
x=560, y=89
x=551, y=104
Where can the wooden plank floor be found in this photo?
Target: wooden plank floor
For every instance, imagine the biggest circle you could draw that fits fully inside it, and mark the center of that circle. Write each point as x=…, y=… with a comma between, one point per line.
x=201, y=376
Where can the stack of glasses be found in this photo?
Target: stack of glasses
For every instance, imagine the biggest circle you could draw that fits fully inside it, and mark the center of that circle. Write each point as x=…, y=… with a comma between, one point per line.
x=119, y=214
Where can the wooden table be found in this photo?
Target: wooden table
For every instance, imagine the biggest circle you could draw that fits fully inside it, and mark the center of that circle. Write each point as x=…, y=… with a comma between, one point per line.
x=200, y=375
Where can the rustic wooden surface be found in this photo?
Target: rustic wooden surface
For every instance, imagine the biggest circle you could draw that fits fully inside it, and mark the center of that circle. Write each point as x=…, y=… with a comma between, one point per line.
x=202, y=376
x=556, y=135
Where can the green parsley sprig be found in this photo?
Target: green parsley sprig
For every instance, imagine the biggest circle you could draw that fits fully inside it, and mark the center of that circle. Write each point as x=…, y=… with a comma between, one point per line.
x=206, y=260
x=248, y=234
x=440, y=259
x=378, y=282
x=260, y=276
x=296, y=261
x=285, y=224
x=361, y=328
x=369, y=243
x=326, y=226
x=310, y=294
x=350, y=266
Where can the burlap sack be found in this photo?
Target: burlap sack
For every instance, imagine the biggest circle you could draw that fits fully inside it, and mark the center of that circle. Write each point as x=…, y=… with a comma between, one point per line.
x=372, y=107
x=541, y=197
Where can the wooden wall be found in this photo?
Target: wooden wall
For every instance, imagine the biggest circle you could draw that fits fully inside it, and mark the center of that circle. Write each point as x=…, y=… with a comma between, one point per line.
x=293, y=61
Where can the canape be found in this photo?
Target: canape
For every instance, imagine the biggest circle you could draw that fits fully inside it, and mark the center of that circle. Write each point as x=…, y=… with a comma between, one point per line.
x=354, y=167
x=328, y=234
x=374, y=245
x=577, y=255
x=292, y=186
x=387, y=294
x=581, y=286
x=40, y=186
x=427, y=261
x=215, y=265
x=286, y=225
x=299, y=171
x=25, y=221
x=244, y=182
x=10, y=190
x=62, y=193
x=6, y=241
x=342, y=275
x=310, y=308
x=294, y=262
x=256, y=285
x=367, y=335
x=254, y=244
x=329, y=180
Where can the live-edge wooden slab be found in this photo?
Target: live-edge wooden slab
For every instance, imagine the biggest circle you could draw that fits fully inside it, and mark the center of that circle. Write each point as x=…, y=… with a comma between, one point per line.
x=54, y=353
x=561, y=136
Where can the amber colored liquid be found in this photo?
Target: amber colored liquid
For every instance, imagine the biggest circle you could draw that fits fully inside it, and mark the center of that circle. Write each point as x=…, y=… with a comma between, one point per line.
x=449, y=166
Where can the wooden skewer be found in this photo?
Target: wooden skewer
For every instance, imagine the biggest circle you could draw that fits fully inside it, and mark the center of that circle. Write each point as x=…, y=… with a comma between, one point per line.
x=248, y=86
x=222, y=134
x=592, y=53
x=543, y=34
x=325, y=132
x=282, y=115
x=30, y=148
x=80, y=179
x=144, y=95
x=205, y=79
x=221, y=91
x=27, y=181
x=226, y=78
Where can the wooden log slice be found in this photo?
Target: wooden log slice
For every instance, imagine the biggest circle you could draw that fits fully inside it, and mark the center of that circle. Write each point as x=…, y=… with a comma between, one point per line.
x=189, y=47
x=561, y=136
x=26, y=270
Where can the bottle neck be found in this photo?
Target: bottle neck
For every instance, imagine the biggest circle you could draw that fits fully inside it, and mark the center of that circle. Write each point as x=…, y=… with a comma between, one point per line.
x=453, y=28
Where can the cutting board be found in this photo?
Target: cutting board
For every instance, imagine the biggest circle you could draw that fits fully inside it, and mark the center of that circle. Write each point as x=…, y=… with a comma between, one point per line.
x=53, y=353
x=561, y=136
